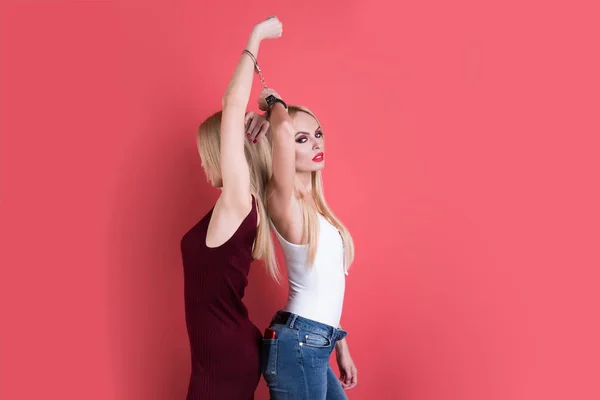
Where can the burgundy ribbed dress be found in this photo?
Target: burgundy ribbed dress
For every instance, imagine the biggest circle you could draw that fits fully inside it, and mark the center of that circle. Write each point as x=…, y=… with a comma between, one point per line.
x=224, y=343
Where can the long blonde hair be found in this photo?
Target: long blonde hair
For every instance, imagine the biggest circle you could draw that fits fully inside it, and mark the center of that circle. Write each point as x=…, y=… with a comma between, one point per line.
x=259, y=159
x=310, y=228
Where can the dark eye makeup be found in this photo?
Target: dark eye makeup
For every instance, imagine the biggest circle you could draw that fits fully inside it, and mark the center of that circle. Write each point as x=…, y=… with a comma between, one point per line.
x=304, y=138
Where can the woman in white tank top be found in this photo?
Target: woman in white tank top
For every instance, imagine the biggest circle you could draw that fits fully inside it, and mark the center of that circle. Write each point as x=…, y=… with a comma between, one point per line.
x=318, y=252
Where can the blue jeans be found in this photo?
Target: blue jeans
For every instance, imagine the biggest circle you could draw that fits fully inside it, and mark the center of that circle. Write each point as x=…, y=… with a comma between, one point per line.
x=296, y=363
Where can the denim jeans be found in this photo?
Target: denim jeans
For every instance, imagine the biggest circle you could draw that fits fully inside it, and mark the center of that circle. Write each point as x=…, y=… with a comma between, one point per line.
x=295, y=364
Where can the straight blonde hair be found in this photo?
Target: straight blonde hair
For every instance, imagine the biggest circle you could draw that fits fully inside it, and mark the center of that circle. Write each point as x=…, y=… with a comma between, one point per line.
x=259, y=159
x=310, y=226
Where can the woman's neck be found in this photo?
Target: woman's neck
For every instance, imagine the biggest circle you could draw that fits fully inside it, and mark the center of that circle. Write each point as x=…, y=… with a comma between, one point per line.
x=305, y=181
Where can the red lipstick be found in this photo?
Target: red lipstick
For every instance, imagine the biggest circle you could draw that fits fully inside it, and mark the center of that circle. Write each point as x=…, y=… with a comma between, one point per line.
x=318, y=157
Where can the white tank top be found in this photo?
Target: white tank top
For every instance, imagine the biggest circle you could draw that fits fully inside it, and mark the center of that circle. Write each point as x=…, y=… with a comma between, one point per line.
x=316, y=293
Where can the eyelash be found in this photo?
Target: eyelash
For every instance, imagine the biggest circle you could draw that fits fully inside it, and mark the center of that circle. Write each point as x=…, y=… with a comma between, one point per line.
x=303, y=138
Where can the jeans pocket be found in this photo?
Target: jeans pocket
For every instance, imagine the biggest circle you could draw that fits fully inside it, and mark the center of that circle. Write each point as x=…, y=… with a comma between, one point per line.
x=313, y=339
x=268, y=358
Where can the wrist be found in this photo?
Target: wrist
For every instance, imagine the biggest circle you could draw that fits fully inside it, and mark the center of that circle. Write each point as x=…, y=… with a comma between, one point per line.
x=273, y=100
x=278, y=104
x=277, y=114
x=253, y=44
x=255, y=36
x=342, y=347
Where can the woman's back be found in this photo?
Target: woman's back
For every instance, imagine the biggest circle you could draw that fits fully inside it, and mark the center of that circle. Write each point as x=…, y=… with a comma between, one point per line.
x=217, y=319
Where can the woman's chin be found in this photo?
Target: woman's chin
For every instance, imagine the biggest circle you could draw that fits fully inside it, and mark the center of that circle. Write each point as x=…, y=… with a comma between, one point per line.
x=319, y=166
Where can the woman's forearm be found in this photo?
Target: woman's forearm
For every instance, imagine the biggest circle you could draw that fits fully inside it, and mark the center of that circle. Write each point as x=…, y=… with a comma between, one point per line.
x=342, y=345
x=240, y=85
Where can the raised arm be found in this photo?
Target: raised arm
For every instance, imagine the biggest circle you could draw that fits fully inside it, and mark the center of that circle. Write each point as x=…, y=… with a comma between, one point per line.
x=234, y=169
x=284, y=156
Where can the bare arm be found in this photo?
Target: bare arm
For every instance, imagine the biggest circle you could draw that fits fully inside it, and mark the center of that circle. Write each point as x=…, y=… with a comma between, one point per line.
x=234, y=169
x=284, y=156
x=341, y=346
x=348, y=371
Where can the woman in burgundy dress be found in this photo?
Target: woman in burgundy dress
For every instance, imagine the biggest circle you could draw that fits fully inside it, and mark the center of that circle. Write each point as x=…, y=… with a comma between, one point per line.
x=217, y=252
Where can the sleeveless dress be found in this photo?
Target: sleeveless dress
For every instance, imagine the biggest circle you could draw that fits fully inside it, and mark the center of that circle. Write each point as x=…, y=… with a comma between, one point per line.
x=224, y=343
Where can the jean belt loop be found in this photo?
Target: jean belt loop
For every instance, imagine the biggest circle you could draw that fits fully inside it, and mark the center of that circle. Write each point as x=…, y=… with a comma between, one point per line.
x=293, y=320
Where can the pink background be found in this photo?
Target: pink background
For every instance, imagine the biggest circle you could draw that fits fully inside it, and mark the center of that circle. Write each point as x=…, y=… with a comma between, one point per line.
x=462, y=154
